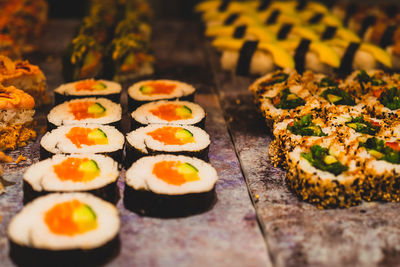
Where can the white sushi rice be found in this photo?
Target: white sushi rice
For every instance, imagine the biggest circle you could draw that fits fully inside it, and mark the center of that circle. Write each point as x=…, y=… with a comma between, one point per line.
x=69, y=89
x=61, y=114
x=140, y=176
x=182, y=89
x=140, y=140
x=28, y=228
x=41, y=175
x=56, y=141
x=143, y=115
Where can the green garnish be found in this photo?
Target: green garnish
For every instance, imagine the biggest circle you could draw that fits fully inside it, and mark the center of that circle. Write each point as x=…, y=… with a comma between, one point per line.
x=279, y=77
x=338, y=97
x=305, y=127
x=327, y=82
x=382, y=150
x=363, y=78
x=287, y=100
x=362, y=126
x=320, y=158
x=390, y=98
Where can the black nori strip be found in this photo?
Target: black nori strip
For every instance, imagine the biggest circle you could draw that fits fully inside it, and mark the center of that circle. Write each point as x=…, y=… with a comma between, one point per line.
x=272, y=18
x=284, y=31
x=133, y=154
x=346, y=64
x=109, y=192
x=231, y=19
x=264, y=4
x=61, y=98
x=245, y=56
x=135, y=124
x=366, y=23
x=26, y=256
x=150, y=204
x=133, y=104
x=350, y=10
x=301, y=4
x=391, y=10
x=224, y=5
x=329, y=33
x=240, y=31
x=387, y=37
x=300, y=55
x=316, y=18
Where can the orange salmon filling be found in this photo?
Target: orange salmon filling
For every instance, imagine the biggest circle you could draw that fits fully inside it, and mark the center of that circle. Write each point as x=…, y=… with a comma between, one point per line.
x=169, y=112
x=159, y=88
x=62, y=219
x=168, y=136
x=80, y=136
x=86, y=85
x=80, y=110
x=168, y=171
x=68, y=170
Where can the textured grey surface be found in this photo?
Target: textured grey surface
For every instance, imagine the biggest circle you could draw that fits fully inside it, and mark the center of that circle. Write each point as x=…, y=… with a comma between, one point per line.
x=297, y=233
x=227, y=235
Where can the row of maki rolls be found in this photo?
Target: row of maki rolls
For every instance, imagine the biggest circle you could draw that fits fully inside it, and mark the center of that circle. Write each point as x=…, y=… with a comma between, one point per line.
x=112, y=42
x=337, y=138
x=69, y=217
x=258, y=37
x=168, y=174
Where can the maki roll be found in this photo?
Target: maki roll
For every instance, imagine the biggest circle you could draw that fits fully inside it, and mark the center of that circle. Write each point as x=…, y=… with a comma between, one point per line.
x=169, y=112
x=170, y=186
x=85, y=110
x=96, y=174
x=151, y=90
x=129, y=57
x=82, y=59
x=381, y=161
x=88, y=88
x=324, y=175
x=384, y=103
x=89, y=138
x=299, y=131
x=64, y=230
x=155, y=139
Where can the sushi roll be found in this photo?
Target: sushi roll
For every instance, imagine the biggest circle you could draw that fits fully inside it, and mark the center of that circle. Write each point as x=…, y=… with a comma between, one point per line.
x=64, y=230
x=170, y=186
x=84, y=111
x=381, y=161
x=16, y=118
x=88, y=88
x=156, y=139
x=83, y=59
x=169, y=112
x=145, y=91
x=361, y=82
x=290, y=133
x=96, y=174
x=324, y=175
x=384, y=103
x=89, y=138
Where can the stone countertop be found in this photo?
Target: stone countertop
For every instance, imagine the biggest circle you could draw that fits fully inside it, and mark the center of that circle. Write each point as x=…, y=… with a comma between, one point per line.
x=228, y=234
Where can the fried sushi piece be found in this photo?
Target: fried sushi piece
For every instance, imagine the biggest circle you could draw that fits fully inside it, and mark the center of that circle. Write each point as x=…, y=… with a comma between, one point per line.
x=26, y=77
x=384, y=103
x=129, y=57
x=82, y=59
x=324, y=176
x=361, y=82
x=380, y=159
x=16, y=118
x=63, y=230
x=290, y=133
x=9, y=48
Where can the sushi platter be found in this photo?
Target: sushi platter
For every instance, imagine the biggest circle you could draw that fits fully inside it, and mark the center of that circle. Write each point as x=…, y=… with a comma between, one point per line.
x=229, y=143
